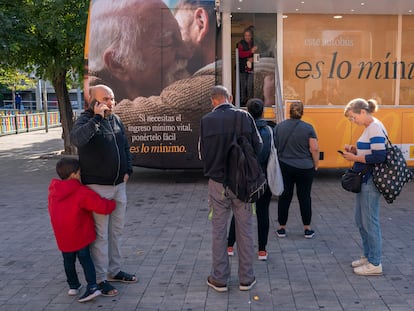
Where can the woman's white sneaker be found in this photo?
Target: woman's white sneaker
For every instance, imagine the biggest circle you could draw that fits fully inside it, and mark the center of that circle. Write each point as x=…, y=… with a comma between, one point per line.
x=359, y=262
x=368, y=269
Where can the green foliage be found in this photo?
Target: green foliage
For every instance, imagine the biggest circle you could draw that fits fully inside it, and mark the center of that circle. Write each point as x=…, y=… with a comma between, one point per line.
x=15, y=80
x=44, y=35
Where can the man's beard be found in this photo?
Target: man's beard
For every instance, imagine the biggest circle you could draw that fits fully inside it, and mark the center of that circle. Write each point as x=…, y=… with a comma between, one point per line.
x=177, y=72
x=107, y=113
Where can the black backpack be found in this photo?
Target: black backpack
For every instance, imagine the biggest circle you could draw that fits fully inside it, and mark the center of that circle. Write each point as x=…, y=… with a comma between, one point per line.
x=243, y=174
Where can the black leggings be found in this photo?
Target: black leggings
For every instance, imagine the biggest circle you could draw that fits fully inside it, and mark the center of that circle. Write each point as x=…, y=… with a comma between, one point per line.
x=262, y=213
x=303, y=179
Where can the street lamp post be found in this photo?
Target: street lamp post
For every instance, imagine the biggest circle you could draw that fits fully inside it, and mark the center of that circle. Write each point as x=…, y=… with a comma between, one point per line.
x=45, y=107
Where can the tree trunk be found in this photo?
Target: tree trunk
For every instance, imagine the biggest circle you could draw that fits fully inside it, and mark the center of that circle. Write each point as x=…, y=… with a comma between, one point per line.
x=65, y=110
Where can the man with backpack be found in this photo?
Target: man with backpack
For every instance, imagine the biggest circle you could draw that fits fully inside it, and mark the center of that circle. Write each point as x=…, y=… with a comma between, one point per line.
x=217, y=132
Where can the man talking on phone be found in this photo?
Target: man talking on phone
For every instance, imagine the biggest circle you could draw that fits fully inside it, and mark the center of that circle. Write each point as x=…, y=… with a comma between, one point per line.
x=106, y=165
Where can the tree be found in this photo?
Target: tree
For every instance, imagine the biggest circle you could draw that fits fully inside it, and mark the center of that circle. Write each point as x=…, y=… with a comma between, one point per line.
x=15, y=80
x=46, y=36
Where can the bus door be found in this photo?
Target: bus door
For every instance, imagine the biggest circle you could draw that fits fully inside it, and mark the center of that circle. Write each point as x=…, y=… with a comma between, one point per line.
x=254, y=62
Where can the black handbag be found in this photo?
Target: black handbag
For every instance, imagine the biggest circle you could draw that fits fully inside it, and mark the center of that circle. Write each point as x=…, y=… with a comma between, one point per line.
x=351, y=181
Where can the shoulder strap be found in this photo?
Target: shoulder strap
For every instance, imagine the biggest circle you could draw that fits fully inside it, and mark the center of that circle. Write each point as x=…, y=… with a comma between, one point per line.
x=386, y=136
x=238, y=125
x=271, y=137
x=287, y=139
x=237, y=130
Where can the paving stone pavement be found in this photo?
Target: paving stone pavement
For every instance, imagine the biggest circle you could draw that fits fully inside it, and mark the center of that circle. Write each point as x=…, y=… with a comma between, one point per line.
x=167, y=243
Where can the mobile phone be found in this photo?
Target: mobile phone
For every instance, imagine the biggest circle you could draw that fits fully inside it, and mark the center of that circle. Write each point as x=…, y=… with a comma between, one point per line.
x=341, y=152
x=93, y=103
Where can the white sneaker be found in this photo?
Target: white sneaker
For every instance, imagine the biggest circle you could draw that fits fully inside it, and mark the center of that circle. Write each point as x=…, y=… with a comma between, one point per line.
x=359, y=262
x=74, y=291
x=245, y=287
x=368, y=269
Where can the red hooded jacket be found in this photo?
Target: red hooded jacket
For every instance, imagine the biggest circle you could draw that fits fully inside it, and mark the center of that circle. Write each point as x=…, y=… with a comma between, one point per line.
x=70, y=208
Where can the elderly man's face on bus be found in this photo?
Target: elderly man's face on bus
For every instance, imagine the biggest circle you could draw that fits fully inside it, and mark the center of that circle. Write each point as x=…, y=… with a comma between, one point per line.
x=147, y=54
x=163, y=51
x=198, y=32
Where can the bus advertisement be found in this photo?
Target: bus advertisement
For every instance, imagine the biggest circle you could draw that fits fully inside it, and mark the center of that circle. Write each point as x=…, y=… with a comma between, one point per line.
x=159, y=58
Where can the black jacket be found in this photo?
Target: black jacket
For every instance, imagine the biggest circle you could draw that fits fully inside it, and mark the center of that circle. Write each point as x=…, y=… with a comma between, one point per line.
x=103, y=149
x=216, y=133
x=264, y=131
x=244, y=46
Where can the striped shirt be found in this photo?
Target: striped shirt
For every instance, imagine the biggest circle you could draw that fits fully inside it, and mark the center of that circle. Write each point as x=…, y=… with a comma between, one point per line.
x=371, y=144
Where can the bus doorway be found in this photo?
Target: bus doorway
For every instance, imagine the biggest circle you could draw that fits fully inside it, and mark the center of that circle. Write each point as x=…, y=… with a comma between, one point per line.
x=253, y=41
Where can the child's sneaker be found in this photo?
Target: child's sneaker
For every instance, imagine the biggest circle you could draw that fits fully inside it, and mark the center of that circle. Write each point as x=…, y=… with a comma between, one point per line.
x=90, y=294
x=74, y=291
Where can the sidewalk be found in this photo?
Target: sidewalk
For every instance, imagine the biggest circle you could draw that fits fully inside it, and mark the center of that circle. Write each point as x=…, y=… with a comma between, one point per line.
x=167, y=243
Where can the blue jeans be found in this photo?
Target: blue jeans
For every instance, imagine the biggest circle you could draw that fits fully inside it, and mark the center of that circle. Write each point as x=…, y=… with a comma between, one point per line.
x=69, y=261
x=367, y=218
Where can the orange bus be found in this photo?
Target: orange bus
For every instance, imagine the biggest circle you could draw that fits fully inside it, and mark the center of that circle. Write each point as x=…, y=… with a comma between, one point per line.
x=161, y=58
x=334, y=131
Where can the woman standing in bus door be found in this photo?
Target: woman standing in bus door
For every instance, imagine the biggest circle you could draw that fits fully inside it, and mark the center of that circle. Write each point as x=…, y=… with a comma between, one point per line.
x=369, y=149
x=246, y=49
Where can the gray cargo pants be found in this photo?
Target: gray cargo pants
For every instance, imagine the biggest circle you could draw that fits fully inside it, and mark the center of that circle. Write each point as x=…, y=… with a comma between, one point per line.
x=106, y=250
x=221, y=204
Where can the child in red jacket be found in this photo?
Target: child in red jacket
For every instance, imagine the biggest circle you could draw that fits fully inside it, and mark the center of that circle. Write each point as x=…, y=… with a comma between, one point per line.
x=70, y=208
